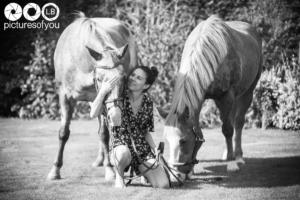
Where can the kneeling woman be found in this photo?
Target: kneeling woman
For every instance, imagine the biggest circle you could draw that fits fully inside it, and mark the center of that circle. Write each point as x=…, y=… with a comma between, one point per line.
x=132, y=142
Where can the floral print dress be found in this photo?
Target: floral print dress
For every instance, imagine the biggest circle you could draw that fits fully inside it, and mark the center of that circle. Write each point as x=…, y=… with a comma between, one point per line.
x=135, y=127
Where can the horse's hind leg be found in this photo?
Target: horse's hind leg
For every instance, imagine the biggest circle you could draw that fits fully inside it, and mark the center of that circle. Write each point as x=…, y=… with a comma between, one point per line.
x=103, y=153
x=67, y=107
x=242, y=106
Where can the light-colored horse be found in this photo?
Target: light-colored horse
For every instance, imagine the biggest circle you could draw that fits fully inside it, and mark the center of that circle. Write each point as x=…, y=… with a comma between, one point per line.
x=88, y=51
x=221, y=60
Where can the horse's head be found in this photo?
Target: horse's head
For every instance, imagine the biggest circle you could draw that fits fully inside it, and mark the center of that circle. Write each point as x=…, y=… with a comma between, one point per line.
x=110, y=63
x=184, y=136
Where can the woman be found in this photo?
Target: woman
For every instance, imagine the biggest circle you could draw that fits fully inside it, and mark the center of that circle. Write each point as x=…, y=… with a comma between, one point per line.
x=131, y=141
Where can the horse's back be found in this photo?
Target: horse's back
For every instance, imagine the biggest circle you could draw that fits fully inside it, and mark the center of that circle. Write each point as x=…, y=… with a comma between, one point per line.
x=242, y=66
x=246, y=30
x=115, y=28
x=249, y=48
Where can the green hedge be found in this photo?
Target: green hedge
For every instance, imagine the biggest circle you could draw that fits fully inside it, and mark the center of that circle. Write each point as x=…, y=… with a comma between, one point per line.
x=276, y=100
x=161, y=28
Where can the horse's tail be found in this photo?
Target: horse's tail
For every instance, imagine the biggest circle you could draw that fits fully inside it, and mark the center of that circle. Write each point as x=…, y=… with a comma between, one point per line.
x=204, y=51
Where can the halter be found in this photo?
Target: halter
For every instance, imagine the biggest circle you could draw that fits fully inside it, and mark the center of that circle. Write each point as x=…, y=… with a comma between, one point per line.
x=199, y=139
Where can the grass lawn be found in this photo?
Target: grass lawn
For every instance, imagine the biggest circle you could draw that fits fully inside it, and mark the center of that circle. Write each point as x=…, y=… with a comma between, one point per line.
x=28, y=147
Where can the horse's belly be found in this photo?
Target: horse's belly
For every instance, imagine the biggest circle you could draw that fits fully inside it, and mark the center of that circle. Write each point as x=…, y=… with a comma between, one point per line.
x=227, y=78
x=79, y=85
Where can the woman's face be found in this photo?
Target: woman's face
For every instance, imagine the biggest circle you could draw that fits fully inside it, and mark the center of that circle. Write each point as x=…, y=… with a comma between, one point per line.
x=137, y=80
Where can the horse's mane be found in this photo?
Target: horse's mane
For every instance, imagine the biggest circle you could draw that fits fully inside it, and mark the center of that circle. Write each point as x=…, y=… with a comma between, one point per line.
x=204, y=51
x=86, y=29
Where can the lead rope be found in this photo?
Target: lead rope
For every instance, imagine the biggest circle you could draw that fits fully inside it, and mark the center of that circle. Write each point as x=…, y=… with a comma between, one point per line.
x=140, y=161
x=132, y=177
x=165, y=165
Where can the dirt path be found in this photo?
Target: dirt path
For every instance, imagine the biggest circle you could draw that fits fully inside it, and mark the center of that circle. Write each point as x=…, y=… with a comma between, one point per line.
x=27, y=150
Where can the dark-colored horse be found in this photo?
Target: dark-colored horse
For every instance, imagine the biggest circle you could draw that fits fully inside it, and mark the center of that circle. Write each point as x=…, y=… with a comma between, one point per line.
x=88, y=51
x=221, y=60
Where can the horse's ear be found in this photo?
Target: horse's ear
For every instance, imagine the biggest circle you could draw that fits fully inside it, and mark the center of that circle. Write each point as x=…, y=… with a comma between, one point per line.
x=122, y=50
x=162, y=114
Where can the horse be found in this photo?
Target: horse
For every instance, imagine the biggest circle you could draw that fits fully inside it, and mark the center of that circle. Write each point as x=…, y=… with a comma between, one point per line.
x=89, y=51
x=221, y=60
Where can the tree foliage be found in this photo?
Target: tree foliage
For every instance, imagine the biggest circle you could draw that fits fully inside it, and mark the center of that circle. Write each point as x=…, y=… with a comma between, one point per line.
x=161, y=28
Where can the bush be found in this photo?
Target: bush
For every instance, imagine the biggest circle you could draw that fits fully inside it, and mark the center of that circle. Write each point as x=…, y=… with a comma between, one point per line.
x=160, y=30
x=38, y=89
x=276, y=101
x=209, y=116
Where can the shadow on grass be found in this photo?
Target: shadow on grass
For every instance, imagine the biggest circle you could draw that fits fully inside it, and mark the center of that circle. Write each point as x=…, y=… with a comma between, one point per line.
x=257, y=172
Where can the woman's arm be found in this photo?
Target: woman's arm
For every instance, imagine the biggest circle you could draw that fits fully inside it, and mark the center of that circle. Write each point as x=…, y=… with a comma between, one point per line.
x=150, y=141
x=97, y=104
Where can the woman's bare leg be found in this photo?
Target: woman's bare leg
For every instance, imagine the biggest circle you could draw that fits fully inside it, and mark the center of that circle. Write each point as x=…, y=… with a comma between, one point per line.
x=121, y=158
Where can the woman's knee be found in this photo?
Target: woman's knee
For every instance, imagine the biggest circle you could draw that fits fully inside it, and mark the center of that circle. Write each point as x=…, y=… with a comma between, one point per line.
x=121, y=155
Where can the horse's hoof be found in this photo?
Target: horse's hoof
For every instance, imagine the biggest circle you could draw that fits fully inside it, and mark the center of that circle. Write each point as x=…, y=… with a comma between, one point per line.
x=109, y=174
x=54, y=174
x=204, y=171
x=232, y=166
x=240, y=160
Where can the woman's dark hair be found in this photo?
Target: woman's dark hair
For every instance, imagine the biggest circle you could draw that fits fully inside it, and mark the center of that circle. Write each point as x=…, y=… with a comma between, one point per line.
x=151, y=74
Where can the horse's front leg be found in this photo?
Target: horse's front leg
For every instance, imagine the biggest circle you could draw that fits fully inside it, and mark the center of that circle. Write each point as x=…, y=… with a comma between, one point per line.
x=100, y=157
x=67, y=107
x=227, y=113
x=103, y=157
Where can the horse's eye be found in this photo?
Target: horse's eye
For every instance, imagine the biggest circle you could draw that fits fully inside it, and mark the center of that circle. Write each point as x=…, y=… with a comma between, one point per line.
x=94, y=54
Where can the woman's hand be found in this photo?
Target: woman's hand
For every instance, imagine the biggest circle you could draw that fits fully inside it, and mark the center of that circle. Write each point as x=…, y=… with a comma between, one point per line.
x=108, y=85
